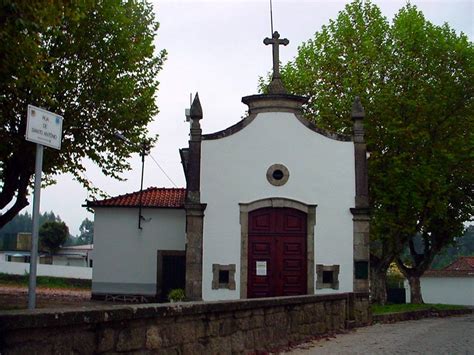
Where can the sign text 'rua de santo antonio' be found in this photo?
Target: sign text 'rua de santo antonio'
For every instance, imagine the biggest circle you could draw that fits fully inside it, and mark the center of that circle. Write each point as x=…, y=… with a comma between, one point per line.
x=44, y=127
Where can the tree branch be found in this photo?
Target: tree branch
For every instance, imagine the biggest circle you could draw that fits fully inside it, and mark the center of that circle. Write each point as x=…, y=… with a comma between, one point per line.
x=20, y=203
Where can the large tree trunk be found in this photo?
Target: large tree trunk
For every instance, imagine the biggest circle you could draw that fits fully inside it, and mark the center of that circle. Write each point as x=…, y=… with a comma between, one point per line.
x=20, y=202
x=420, y=262
x=415, y=290
x=378, y=285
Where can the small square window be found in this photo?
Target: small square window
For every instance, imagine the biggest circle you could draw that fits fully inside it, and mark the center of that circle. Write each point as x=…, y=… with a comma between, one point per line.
x=327, y=277
x=223, y=276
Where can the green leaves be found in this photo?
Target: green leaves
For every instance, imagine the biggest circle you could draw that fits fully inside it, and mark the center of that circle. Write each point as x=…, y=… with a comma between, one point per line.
x=416, y=82
x=53, y=235
x=86, y=230
x=92, y=62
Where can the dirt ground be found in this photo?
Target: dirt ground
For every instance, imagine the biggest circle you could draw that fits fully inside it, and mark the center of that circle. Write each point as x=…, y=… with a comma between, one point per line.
x=15, y=297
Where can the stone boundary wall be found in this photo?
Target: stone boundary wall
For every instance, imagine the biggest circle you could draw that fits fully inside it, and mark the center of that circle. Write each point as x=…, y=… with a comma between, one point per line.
x=414, y=315
x=224, y=327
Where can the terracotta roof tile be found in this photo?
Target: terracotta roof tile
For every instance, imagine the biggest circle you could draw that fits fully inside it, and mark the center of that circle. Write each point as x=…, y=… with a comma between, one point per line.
x=462, y=263
x=449, y=273
x=155, y=197
x=461, y=267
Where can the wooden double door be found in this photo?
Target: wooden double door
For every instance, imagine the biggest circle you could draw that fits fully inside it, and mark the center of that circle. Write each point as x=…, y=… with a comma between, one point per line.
x=277, y=253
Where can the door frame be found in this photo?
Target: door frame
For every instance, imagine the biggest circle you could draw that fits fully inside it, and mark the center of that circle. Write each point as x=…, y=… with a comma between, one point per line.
x=159, y=267
x=276, y=202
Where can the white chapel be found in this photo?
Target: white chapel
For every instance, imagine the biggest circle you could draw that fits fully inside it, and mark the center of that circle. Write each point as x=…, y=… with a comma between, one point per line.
x=273, y=206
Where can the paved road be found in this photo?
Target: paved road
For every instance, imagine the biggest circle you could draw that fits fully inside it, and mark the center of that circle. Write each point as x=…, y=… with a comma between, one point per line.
x=452, y=335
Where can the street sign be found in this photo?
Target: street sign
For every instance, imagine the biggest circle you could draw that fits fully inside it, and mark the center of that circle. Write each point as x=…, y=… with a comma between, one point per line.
x=44, y=127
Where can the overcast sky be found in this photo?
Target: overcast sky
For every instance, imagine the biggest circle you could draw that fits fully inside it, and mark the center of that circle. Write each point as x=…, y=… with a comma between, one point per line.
x=215, y=48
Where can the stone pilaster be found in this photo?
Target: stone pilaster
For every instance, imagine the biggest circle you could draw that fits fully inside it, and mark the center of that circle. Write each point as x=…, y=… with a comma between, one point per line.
x=361, y=211
x=360, y=155
x=194, y=234
x=194, y=207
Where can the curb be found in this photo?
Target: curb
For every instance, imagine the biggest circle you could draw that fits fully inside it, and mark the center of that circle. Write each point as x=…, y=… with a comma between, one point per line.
x=414, y=315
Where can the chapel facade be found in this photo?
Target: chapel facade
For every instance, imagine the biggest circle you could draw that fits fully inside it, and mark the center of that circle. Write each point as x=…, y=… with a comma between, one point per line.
x=273, y=206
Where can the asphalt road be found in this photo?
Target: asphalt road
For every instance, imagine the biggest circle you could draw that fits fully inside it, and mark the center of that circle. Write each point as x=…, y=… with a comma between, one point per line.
x=451, y=335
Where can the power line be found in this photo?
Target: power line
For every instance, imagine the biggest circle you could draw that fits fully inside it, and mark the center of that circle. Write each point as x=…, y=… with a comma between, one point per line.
x=162, y=170
x=120, y=136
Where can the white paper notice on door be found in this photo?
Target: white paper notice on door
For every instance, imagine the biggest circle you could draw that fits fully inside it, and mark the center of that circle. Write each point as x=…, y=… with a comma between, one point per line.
x=261, y=268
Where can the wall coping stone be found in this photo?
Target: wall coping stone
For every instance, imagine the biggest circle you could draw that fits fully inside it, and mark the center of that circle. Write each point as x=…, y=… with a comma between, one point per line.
x=41, y=318
x=419, y=314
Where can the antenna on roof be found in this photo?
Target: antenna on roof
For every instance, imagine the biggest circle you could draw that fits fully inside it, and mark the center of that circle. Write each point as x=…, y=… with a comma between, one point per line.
x=271, y=17
x=187, y=111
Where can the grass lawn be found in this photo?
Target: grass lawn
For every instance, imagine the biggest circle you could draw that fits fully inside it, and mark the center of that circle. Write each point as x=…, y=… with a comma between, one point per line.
x=45, y=281
x=395, y=308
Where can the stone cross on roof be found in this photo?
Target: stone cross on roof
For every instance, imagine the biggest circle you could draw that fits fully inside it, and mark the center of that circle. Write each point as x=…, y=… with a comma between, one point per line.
x=276, y=86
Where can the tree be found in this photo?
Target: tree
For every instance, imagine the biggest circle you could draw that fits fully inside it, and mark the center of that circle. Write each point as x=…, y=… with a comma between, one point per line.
x=93, y=63
x=415, y=81
x=87, y=232
x=437, y=68
x=52, y=235
x=22, y=223
x=465, y=244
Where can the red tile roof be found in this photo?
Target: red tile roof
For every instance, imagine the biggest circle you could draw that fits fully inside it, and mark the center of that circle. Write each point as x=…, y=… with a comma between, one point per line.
x=448, y=273
x=462, y=263
x=461, y=267
x=154, y=197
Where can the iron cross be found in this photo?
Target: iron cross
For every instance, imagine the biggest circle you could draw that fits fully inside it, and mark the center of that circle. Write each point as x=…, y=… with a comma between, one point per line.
x=276, y=42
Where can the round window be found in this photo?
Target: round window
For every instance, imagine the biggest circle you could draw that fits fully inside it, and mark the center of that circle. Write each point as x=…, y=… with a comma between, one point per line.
x=277, y=174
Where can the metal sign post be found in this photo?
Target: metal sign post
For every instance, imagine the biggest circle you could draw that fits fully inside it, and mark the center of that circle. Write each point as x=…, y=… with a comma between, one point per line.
x=35, y=234
x=43, y=128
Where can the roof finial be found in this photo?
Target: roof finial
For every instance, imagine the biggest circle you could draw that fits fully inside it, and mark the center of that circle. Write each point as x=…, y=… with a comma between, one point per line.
x=276, y=86
x=358, y=111
x=196, y=109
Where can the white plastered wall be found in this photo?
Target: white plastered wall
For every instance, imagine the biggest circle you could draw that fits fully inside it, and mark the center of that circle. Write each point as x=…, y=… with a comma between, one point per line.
x=69, y=261
x=445, y=290
x=233, y=171
x=124, y=256
x=18, y=268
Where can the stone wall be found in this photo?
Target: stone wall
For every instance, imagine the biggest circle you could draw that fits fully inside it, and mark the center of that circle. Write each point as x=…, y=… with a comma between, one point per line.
x=186, y=328
x=414, y=315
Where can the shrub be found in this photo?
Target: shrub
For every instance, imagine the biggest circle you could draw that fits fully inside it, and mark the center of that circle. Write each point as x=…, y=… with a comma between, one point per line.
x=176, y=295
